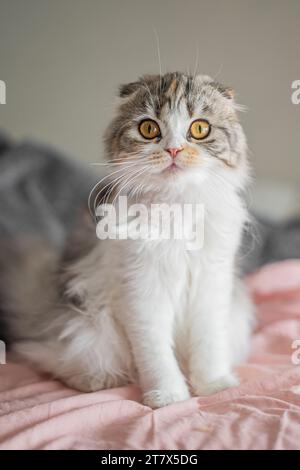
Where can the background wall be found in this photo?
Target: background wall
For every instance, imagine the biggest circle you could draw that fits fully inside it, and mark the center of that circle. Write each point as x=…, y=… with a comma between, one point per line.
x=62, y=61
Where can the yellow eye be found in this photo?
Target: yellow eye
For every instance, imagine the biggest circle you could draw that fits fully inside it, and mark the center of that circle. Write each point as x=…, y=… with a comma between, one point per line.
x=149, y=129
x=200, y=129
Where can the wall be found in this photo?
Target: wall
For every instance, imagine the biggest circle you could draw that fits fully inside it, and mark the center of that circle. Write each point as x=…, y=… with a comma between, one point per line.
x=62, y=61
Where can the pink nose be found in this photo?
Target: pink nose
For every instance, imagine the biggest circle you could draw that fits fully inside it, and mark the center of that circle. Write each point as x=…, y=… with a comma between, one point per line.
x=173, y=151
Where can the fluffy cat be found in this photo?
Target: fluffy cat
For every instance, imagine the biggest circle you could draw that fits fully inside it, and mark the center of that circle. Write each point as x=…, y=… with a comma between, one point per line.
x=173, y=320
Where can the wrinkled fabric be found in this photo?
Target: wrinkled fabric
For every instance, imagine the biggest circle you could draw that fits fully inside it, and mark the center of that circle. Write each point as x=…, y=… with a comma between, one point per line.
x=262, y=413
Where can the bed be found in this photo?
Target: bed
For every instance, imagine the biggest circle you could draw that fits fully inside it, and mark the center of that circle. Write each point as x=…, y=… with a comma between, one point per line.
x=37, y=412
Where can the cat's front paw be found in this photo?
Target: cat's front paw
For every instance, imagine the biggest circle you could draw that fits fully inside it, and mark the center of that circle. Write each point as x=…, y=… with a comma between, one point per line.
x=209, y=388
x=160, y=398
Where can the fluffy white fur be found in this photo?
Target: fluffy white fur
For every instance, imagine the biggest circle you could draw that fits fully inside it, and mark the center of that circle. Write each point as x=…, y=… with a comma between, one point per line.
x=175, y=321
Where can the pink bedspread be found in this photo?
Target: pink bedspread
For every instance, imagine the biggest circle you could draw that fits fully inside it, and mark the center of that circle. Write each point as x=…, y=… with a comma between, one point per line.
x=262, y=413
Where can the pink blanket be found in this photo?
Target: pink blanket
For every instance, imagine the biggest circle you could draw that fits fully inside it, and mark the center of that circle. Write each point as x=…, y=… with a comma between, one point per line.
x=262, y=413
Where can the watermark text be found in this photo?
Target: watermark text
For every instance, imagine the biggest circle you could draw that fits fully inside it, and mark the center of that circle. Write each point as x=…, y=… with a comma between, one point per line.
x=155, y=222
x=2, y=353
x=2, y=92
x=296, y=93
x=295, y=358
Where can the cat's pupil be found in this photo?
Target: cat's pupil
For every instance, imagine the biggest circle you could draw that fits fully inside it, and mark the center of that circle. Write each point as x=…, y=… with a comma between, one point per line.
x=200, y=129
x=149, y=128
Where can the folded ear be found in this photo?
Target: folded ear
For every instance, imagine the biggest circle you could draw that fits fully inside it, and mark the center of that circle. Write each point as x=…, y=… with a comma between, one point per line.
x=150, y=78
x=129, y=88
x=226, y=91
x=229, y=93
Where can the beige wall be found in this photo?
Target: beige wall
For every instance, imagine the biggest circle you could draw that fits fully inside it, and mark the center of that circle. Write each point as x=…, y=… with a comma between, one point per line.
x=62, y=61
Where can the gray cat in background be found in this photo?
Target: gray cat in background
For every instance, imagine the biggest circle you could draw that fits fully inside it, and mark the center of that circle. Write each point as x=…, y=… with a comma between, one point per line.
x=42, y=197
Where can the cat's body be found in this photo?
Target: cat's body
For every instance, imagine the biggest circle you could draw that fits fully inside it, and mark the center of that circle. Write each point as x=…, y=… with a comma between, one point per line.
x=172, y=319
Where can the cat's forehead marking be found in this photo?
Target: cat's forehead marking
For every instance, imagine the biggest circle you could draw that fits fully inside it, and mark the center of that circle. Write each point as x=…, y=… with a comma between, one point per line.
x=172, y=88
x=180, y=90
x=175, y=115
x=172, y=96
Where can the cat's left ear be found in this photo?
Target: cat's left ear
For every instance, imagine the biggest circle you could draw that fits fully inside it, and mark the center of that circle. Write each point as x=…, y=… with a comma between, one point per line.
x=226, y=91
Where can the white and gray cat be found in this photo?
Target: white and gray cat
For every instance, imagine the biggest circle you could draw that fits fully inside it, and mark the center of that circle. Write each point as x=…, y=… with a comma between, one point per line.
x=173, y=320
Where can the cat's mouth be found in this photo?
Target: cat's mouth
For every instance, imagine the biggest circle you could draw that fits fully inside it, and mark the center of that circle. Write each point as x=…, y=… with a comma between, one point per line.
x=173, y=168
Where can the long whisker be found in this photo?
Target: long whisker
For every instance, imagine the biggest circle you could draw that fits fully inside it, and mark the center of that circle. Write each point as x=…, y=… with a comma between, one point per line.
x=218, y=72
x=123, y=159
x=130, y=181
x=137, y=190
x=115, y=163
x=196, y=62
x=195, y=71
x=159, y=59
x=101, y=181
x=114, y=183
x=136, y=158
x=112, y=173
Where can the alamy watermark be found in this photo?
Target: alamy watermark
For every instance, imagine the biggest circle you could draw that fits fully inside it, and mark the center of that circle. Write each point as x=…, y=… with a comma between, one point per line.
x=2, y=352
x=295, y=358
x=123, y=221
x=295, y=97
x=2, y=92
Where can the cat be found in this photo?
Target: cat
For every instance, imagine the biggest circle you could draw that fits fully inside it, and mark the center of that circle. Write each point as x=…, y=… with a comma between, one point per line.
x=173, y=320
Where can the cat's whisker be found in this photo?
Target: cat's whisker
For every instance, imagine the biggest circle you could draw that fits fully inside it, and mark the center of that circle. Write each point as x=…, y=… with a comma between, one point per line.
x=101, y=181
x=125, y=165
x=196, y=62
x=115, y=163
x=130, y=180
x=195, y=71
x=159, y=61
x=119, y=160
x=137, y=191
x=218, y=72
x=102, y=190
x=113, y=184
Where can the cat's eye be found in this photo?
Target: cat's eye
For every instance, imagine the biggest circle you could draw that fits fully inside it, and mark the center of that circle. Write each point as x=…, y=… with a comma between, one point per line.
x=200, y=129
x=149, y=129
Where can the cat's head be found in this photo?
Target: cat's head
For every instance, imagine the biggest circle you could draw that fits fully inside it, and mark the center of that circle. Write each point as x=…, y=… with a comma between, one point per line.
x=177, y=130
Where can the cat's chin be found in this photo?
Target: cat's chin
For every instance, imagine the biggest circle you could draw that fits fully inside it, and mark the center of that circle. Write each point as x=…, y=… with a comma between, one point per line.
x=174, y=181
x=172, y=169
x=181, y=176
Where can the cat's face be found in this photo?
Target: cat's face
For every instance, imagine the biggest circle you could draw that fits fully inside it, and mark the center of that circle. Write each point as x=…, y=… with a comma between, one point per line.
x=177, y=129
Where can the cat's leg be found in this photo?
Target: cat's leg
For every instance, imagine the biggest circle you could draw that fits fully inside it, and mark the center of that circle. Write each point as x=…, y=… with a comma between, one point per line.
x=149, y=327
x=210, y=355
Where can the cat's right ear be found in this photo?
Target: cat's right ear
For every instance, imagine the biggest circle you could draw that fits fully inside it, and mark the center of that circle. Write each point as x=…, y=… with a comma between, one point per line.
x=128, y=89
